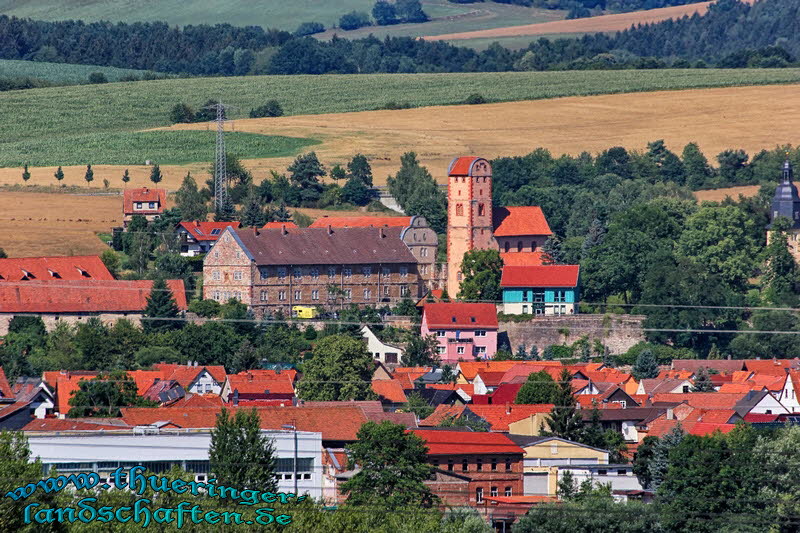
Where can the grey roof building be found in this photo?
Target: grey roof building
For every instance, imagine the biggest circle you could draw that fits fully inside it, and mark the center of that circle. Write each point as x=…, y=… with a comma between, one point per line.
x=786, y=202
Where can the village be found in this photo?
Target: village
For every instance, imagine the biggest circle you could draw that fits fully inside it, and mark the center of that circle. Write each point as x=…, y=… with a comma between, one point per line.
x=393, y=337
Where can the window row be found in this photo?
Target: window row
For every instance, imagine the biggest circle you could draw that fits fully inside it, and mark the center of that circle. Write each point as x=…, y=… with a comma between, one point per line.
x=298, y=273
x=478, y=333
x=520, y=246
x=346, y=294
x=493, y=492
x=224, y=296
x=493, y=465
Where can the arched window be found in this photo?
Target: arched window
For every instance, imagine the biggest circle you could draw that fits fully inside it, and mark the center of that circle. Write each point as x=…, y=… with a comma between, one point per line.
x=519, y=246
x=459, y=209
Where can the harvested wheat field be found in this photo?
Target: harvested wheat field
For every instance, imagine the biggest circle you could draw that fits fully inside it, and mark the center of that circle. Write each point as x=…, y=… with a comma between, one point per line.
x=718, y=195
x=738, y=117
x=603, y=23
x=33, y=223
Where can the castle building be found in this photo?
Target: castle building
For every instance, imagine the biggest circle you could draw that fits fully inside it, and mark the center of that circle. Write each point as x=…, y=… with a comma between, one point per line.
x=786, y=203
x=518, y=233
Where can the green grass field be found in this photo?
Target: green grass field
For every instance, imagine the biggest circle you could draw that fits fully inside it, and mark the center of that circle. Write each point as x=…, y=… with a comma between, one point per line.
x=60, y=72
x=134, y=148
x=267, y=13
x=64, y=115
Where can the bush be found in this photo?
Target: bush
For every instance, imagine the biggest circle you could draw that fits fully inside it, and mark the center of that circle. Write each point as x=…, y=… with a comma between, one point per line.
x=271, y=109
x=309, y=28
x=181, y=113
x=97, y=77
x=205, y=308
x=354, y=20
x=664, y=354
x=475, y=99
x=396, y=105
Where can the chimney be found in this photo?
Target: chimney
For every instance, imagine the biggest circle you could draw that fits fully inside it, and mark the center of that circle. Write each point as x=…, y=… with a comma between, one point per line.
x=670, y=414
x=508, y=408
x=197, y=223
x=330, y=230
x=255, y=231
x=283, y=230
x=380, y=232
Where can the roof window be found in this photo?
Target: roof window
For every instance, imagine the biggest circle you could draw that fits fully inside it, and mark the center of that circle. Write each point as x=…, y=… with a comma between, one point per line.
x=54, y=274
x=454, y=319
x=215, y=231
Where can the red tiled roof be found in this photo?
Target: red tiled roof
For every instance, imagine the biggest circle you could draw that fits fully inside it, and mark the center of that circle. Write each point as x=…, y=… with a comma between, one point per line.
x=519, y=221
x=82, y=296
x=466, y=442
x=5, y=389
x=143, y=195
x=540, y=276
x=760, y=417
x=204, y=231
x=468, y=388
x=462, y=166
x=506, y=393
x=441, y=413
x=338, y=424
x=144, y=379
x=74, y=424
x=469, y=369
x=703, y=400
x=500, y=416
x=279, y=225
x=185, y=374
x=361, y=222
x=701, y=429
x=64, y=384
x=522, y=259
x=530, y=367
x=198, y=400
x=460, y=315
x=768, y=366
x=249, y=384
x=389, y=389
x=81, y=267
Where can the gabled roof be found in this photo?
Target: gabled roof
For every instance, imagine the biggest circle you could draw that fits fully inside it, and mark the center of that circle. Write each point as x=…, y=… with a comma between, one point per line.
x=469, y=369
x=500, y=416
x=519, y=221
x=186, y=374
x=390, y=390
x=659, y=386
x=318, y=246
x=207, y=231
x=540, y=276
x=464, y=165
x=361, y=222
x=5, y=388
x=198, y=400
x=460, y=315
x=770, y=366
x=144, y=379
x=703, y=400
x=443, y=442
x=80, y=267
x=441, y=413
x=82, y=296
x=724, y=366
x=144, y=194
x=279, y=225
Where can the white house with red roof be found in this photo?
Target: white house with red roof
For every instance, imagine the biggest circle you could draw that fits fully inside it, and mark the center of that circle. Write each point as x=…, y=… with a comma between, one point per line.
x=197, y=237
x=464, y=330
x=149, y=203
x=540, y=290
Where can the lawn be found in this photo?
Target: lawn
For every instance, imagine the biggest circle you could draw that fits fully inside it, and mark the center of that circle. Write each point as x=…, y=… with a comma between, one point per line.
x=60, y=72
x=134, y=148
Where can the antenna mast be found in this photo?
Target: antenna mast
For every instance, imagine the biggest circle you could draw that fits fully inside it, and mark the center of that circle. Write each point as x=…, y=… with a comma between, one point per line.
x=220, y=176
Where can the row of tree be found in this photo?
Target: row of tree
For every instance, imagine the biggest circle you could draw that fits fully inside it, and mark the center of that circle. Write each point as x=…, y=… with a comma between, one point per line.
x=763, y=32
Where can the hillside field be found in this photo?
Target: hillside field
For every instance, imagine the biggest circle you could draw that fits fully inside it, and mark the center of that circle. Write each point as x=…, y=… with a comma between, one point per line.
x=60, y=72
x=51, y=125
x=28, y=219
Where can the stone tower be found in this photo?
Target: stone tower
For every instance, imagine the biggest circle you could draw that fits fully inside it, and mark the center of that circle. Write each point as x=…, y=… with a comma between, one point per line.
x=469, y=214
x=786, y=203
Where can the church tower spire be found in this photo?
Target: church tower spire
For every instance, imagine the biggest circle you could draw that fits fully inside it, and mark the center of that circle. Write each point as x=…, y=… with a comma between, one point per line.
x=786, y=202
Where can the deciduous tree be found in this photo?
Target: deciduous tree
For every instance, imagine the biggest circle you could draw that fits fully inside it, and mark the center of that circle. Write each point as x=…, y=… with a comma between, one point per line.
x=340, y=369
x=240, y=455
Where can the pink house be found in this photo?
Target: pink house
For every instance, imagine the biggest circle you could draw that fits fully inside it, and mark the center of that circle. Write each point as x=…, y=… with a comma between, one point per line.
x=464, y=330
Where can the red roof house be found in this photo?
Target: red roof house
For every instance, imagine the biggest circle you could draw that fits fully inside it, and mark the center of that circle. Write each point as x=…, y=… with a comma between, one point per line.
x=540, y=276
x=81, y=267
x=149, y=203
x=519, y=221
x=197, y=237
x=464, y=330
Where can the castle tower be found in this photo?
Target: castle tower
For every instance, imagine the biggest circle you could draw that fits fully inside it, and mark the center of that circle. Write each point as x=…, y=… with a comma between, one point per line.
x=469, y=214
x=786, y=203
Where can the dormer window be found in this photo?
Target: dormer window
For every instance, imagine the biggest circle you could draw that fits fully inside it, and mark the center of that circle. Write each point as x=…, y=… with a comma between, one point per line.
x=472, y=319
x=215, y=231
x=27, y=275
x=84, y=273
x=454, y=320
x=54, y=274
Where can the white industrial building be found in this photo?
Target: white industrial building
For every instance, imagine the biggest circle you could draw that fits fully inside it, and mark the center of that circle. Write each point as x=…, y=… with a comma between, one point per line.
x=159, y=450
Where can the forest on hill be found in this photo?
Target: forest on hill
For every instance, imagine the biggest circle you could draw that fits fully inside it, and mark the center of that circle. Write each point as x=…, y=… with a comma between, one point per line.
x=731, y=34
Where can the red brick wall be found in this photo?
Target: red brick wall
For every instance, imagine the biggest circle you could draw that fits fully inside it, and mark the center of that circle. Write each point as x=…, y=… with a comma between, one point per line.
x=485, y=478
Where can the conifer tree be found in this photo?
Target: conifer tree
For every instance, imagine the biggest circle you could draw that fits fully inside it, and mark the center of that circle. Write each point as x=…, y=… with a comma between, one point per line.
x=189, y=200
x=534, y=353
x=564, y=420
x=89, y=175
x=240, y=455
x=59, y=175
x=659, y=464
x=155, y=174
x=567, y=487
x=702, y=381
x=714, y=352
x=252, y=214
x=552, y=254
x=25, y=174
x=126, y=177
x=161, y=305
x=282, y=214
x=225, y=212
x=646, y=366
